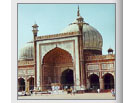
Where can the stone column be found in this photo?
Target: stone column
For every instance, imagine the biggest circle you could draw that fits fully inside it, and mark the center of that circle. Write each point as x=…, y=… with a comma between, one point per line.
x=41, y=77
x=114, y=81
x=88, y=83
x=39, y=69
x=35, y=31
x=26, y=85
x=81, y=56
x=101, y=83
x=35, y=64
x=18, y=85
x=74, y=74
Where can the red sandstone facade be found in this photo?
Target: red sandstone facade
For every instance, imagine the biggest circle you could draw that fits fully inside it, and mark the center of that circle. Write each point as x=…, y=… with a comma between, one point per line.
x=99, y=70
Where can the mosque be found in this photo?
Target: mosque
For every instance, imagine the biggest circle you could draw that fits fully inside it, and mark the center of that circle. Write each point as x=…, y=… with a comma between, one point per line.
x=71, y=58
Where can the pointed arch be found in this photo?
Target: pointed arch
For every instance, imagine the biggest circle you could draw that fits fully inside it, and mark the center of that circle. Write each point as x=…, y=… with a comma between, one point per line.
x=56, y=55
x=67, y=78
x=21, y=84
x=94, y=81
x=31, y=83
x=53, y=63
x=108, y=81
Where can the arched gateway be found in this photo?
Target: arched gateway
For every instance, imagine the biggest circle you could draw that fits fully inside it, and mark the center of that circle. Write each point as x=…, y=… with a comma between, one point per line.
x=67, y=78
x=54, y=63
x=31, y=83
x=94, y=81
x=21, y=84
x=108, y=81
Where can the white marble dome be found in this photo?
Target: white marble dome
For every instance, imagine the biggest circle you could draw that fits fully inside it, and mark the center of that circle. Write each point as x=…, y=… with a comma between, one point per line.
x=92, y=39
x=26, y=53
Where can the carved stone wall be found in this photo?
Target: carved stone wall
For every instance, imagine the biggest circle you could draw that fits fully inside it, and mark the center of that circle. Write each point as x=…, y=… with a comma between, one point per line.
x=69, y=45
x=100, y=65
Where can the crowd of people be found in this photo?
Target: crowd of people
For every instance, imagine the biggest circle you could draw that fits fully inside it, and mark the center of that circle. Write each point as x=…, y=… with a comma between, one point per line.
x=69, y=90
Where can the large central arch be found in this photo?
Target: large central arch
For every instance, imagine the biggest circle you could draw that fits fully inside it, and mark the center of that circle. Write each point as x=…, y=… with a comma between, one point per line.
x=54, y=62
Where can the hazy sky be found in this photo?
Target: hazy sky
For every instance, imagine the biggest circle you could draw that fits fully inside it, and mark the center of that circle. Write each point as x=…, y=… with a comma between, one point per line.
x=53, y=18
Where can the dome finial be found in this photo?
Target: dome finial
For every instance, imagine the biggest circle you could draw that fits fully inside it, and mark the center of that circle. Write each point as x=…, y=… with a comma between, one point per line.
x=110, y=51
x=78, y=14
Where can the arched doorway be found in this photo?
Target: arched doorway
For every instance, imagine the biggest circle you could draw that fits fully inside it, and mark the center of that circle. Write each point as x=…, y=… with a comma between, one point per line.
x=108, y=81
x=52, y=65
x=31, y=83
x=21, y=84
x=67, y=78
x=94, y=81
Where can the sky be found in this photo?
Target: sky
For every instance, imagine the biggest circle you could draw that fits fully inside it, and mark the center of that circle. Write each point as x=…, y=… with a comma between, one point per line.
x=53, y=18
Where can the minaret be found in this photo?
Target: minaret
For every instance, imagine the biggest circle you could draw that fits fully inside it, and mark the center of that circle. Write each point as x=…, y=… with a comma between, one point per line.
x=35, y=31
x=80, y=48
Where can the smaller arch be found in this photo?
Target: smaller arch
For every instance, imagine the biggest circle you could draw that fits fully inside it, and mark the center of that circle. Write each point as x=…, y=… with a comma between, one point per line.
x=21, y=84
x=94, y=81
x=67, y=78
x=31, y=83
x=65, y=68
x=96, y=73
x=30, y=77
x=21, y=77
x=112, y=73
x=108, y=81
